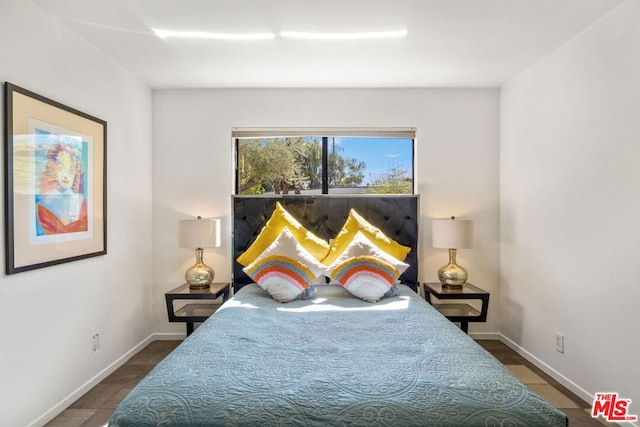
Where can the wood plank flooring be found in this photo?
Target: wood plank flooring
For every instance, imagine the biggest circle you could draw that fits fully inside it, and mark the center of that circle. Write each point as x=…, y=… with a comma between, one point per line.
x=578, y=411
x=95, y=407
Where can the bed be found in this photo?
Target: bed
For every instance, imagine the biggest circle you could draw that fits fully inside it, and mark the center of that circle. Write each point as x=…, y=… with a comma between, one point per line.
x=332, y=359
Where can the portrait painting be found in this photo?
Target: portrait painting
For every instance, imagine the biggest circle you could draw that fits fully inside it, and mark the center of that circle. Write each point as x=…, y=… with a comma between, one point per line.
x=55, y=168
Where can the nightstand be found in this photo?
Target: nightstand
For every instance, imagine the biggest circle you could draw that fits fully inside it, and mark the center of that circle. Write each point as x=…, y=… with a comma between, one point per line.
x=459, y=312
x=192, y=313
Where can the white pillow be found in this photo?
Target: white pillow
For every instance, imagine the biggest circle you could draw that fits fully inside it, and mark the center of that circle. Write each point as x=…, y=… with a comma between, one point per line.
x=285, y=269
x=361, y=245
x=365, y=270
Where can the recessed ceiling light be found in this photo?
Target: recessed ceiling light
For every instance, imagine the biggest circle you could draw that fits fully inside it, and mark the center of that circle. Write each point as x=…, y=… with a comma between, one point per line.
x=344, y=36
x=206, y=35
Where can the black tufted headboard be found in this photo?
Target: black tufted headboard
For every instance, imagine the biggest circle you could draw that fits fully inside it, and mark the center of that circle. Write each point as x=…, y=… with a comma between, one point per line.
x=397, y=216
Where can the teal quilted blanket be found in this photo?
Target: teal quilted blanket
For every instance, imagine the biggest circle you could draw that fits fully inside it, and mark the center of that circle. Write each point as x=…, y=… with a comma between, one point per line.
x=333, y=360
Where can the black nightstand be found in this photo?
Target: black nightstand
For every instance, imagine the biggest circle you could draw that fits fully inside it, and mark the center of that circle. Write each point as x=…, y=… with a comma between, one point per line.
x=192, y=313
x=459, y=312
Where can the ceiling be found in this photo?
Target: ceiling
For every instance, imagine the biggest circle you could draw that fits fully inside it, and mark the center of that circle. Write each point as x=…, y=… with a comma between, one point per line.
x=449, y=43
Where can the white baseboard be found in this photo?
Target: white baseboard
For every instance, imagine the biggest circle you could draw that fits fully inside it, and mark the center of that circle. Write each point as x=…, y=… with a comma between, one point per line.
x=575, y=388
x=80, y=391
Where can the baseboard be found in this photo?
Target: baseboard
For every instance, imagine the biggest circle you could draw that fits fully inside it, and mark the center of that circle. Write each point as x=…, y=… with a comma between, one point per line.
x=575, y=388
x=76, y=394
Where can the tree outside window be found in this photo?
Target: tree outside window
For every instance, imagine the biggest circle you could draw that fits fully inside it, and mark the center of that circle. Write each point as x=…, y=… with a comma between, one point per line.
x=321, y=164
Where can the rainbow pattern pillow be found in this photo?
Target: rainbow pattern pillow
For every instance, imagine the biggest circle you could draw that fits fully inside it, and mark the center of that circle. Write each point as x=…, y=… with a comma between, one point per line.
x=282, y=277
x=285, y=269
x=365, y=270
x=366, y=277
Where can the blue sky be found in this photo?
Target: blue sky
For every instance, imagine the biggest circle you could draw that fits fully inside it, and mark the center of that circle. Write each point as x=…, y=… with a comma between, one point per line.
x=378, y=153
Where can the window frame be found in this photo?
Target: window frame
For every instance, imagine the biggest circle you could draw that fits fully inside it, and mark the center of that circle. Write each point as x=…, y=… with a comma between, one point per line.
x=324, y=133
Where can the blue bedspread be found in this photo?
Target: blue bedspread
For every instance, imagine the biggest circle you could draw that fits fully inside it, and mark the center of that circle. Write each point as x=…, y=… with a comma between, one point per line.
x=333, y=360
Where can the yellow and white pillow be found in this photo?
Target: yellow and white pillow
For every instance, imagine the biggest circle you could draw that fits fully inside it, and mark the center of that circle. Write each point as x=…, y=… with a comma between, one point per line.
x=356, y=223
x=280, y=219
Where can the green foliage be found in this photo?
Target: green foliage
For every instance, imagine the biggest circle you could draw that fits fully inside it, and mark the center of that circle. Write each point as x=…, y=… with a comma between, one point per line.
x=313, y=164
x=284, y=165
x=273, y=164
x=394, y=182
x=344, y=171
x=256, y=189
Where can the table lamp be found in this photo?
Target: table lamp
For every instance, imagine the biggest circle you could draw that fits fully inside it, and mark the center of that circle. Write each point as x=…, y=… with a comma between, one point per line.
x=452, y=234
x=199, y=233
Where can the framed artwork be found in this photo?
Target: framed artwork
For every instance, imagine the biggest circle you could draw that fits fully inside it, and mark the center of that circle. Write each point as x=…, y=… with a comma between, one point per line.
x=55, y=182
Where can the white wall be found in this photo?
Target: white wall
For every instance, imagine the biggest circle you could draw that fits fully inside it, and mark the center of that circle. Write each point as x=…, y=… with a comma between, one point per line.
x=457, y=166
x=569, y=205
x=47, y=316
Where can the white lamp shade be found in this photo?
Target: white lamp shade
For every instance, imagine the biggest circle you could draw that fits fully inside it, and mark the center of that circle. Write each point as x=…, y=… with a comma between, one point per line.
x=452, y=233
x=199, y=233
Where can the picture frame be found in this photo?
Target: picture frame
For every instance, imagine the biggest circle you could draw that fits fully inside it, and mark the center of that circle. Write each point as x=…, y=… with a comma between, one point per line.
x=55, y=182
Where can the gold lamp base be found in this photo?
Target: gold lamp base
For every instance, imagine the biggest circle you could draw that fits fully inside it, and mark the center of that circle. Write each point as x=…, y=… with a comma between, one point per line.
x=200, y=275
x=452, y=275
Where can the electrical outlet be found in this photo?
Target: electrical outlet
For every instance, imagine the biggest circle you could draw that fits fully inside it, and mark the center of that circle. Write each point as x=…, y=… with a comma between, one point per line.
x=95, y=342
x=559, y=342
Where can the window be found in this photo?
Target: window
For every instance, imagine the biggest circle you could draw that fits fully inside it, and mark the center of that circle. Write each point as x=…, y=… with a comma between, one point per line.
x=324, y=161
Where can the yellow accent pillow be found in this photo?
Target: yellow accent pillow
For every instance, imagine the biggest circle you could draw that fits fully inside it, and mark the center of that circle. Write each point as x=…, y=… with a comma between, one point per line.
x=280, y=219
x=357, y=223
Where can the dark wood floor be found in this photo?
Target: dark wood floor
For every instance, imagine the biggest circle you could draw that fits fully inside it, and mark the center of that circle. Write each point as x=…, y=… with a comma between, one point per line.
x=96, y=406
